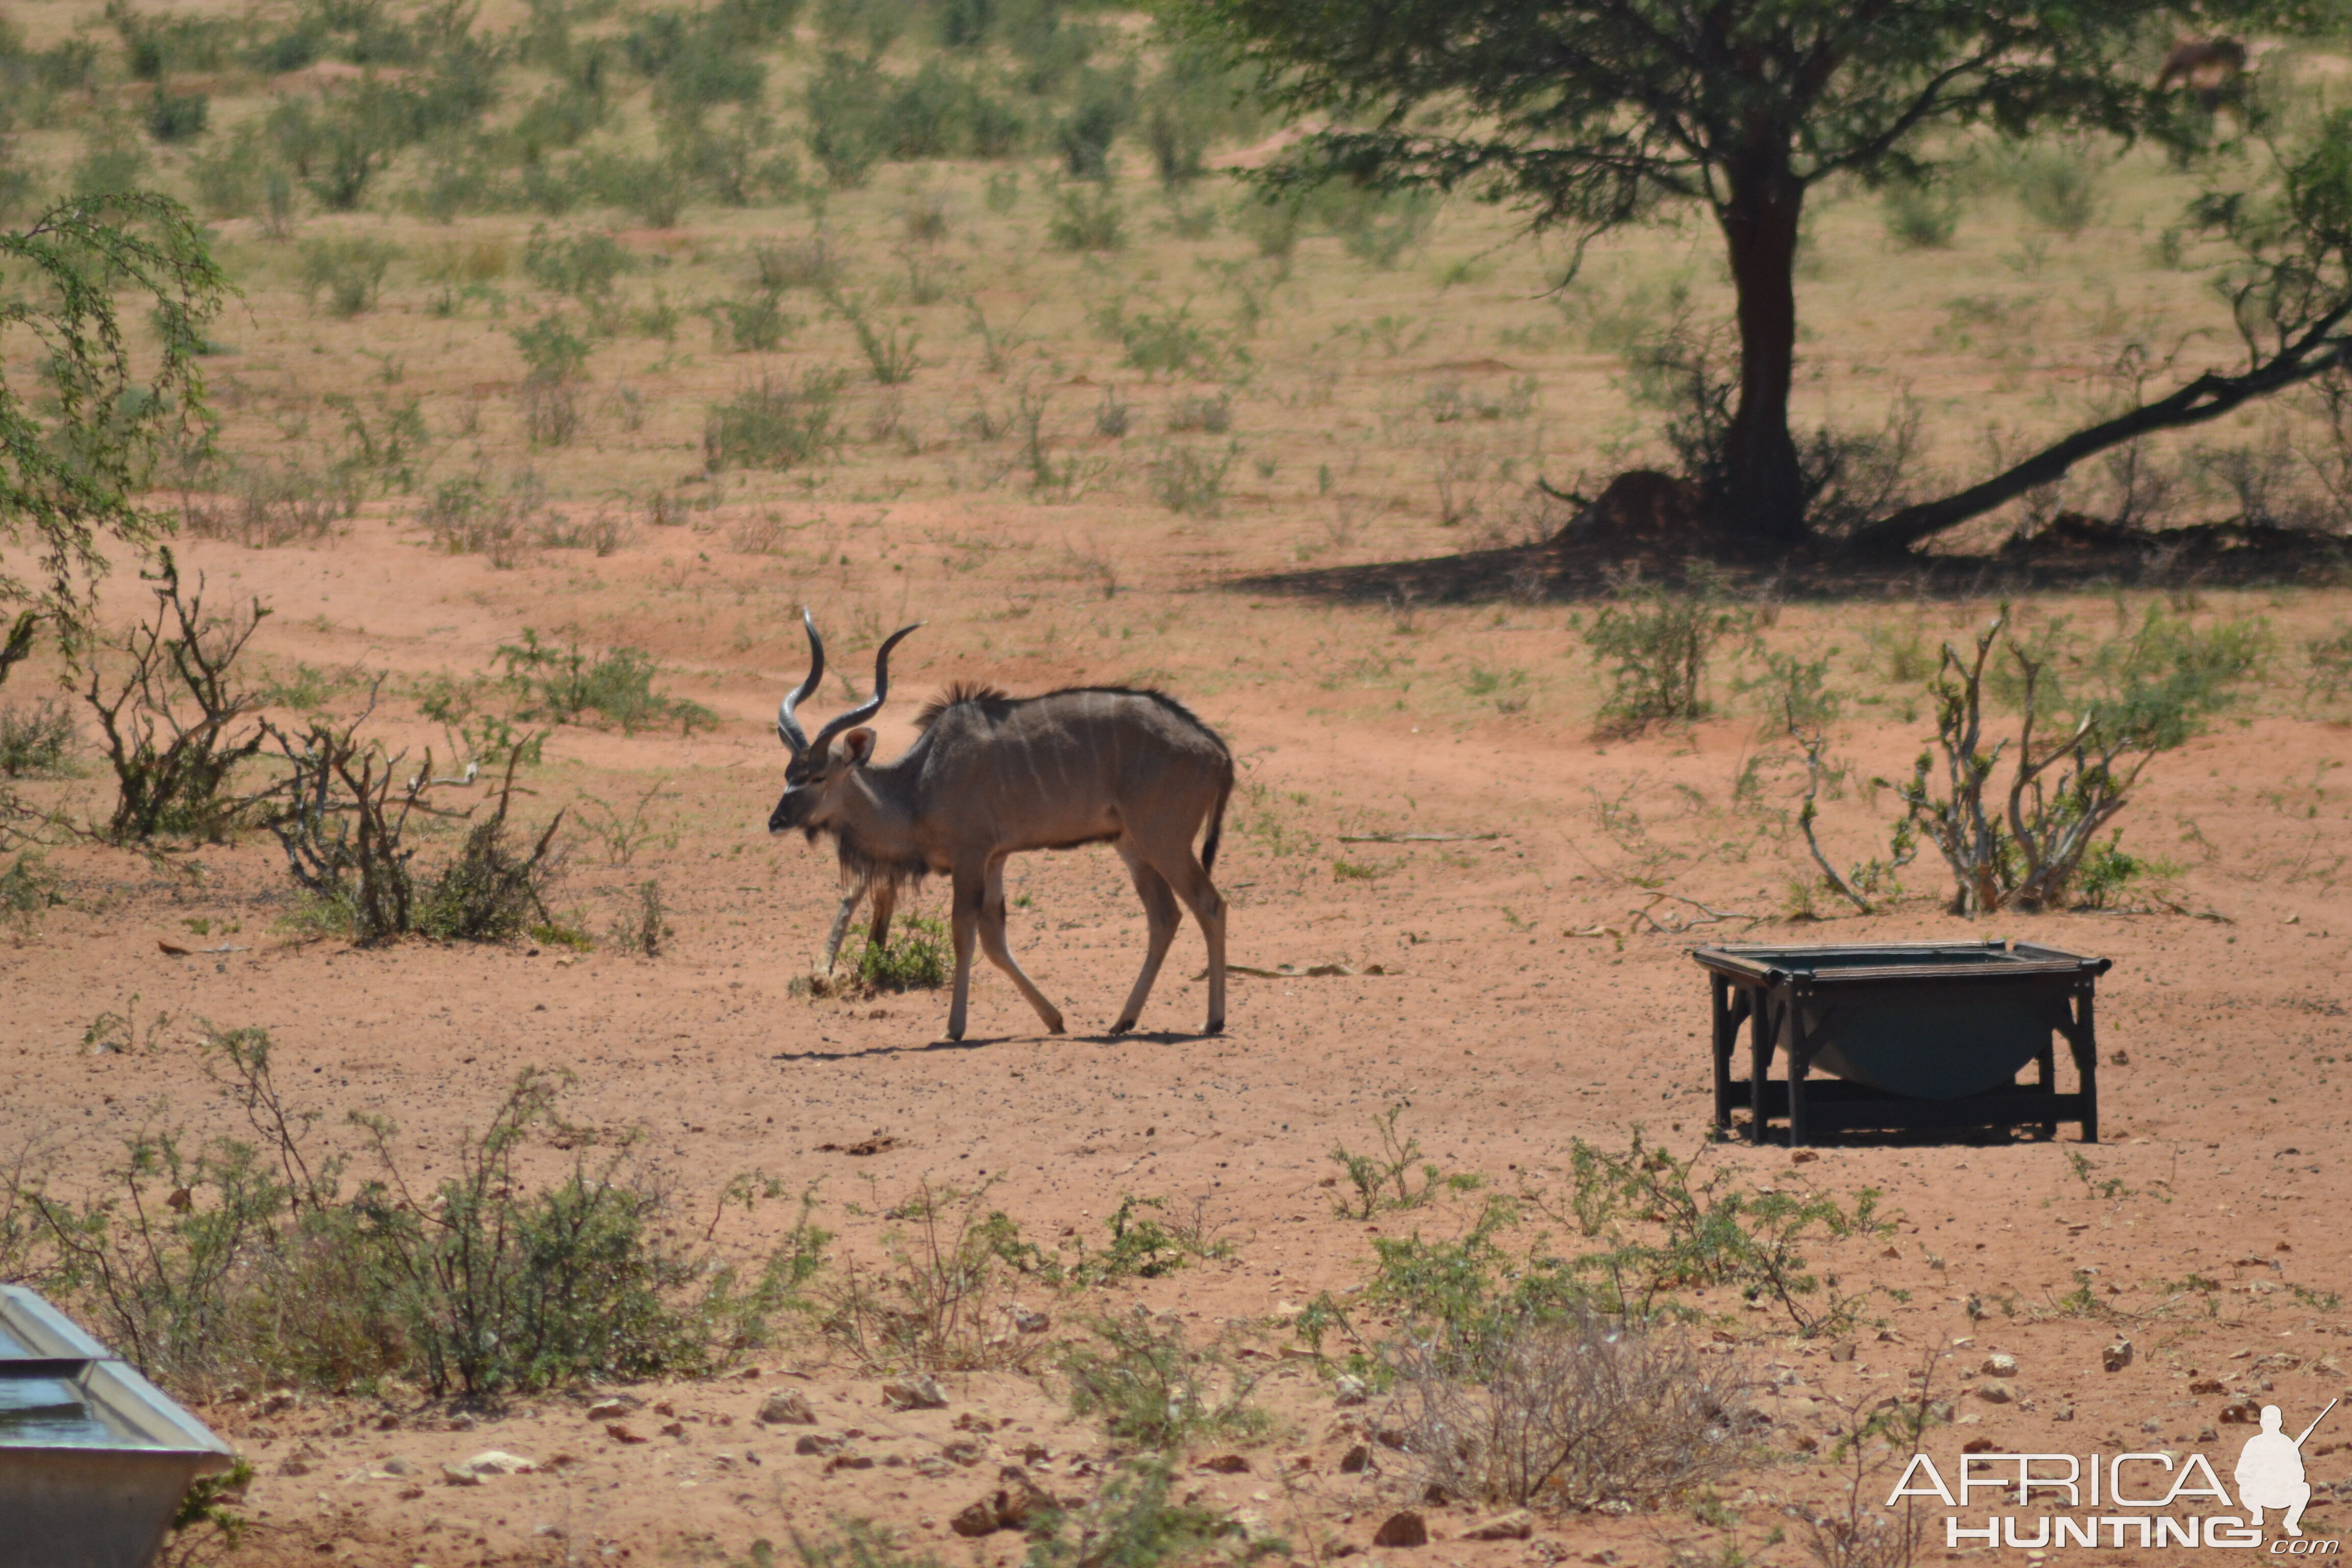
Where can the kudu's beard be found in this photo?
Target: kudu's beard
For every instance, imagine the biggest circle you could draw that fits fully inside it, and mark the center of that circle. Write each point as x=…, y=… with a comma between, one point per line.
x=860, y=864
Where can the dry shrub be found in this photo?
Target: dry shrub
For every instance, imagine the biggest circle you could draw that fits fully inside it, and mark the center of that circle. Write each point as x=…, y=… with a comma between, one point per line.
x=472, y=515
x=943, y=1297
x=1577, y=1409
x=269, y=506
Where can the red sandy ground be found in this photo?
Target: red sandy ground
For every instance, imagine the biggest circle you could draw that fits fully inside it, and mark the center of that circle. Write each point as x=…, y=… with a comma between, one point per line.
x=2225, y=1032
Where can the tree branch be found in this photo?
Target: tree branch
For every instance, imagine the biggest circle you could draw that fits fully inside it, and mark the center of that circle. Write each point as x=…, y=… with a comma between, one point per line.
x=2208, y=396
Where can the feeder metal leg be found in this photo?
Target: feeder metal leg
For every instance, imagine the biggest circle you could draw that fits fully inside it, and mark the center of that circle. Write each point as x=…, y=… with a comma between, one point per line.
x=1760, y=1026
x=2045, y=1063
x=1799, y=1124
x=1725, y=1026
x=2084, y=1038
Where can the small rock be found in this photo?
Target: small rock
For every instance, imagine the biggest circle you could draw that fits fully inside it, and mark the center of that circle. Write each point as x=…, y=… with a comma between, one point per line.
x=850, y=1462
x=1979, y=1446
x=611, y=1409
x=817, y=1443
x=1353, y=1462
x=294, y=1468
x=1009, y=1507
x=2240, y=1412
x=2116, y=1356
x=979, y=1518
x=921, y=1392
x=1405, y=1529
x=787, y=1408
x=398, y=1467
x=1226, y=1465
x=2063, y=1413
x=1026, y=1321
x=1995, y=1393
x=458, y=1475
x=1021, y=1499
x=1616, y=1507
x=499, y=1462
x=1803, y=1156
x=932, y=1466
x=1843, y=1351
x=1516, y=1525
x=1999, y=1365
x=1348, y=1390
x=620, y=1434
x=965, y=1451
x=2206, y=1433
x=673, y=1429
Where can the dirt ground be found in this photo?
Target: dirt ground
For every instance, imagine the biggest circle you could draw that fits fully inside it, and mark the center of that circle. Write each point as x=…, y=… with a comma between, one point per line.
x=1516, y=980
x=1520, y=1002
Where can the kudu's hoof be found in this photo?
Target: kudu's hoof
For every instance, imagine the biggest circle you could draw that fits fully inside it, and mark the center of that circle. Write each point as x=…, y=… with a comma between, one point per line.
x=1122, y=1027
x=1215, y=1026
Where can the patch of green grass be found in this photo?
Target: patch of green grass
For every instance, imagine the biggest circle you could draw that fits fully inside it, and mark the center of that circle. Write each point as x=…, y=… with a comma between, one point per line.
x=1150, y=1388
x=564, y=684
x=914, y=958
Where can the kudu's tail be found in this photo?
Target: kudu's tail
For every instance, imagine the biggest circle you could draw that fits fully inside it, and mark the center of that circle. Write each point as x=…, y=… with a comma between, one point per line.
x=1216, y=823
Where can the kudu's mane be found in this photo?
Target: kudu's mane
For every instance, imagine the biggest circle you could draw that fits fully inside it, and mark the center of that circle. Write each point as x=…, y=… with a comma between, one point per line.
x=992, y=699
x=994, y=702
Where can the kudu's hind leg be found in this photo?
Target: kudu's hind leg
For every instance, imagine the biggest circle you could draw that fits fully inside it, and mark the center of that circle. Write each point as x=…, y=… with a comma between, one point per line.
x=885, y=904
x=1161, y=917
x=1191, y=881
x=963, y=923
x=991, y=941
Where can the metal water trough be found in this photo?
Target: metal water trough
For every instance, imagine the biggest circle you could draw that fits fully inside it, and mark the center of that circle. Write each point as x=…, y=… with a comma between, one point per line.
x=94, y=1459
x=1912, y=1036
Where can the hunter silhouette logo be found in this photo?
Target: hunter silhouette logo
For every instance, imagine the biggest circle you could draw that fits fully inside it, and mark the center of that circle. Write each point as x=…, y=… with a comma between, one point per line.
x=2270, y=1471
x=2125, y=1499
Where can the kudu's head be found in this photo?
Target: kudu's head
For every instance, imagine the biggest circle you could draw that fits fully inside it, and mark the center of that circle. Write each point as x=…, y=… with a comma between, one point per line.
x=820, y=771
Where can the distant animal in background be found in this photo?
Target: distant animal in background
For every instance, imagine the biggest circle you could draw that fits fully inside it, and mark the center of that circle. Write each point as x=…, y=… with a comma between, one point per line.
x=992, y=775
x=2205, y=66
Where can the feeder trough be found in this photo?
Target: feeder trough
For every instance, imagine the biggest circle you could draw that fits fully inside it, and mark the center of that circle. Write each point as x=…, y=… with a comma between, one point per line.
x=1911, y=1036
x=93, y=1459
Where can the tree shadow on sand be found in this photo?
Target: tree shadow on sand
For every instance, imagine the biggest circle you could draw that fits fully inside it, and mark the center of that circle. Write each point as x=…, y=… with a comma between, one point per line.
x=2073, y=553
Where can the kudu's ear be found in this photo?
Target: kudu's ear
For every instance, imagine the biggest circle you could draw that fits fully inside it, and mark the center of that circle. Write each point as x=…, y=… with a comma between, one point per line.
x=858, y=746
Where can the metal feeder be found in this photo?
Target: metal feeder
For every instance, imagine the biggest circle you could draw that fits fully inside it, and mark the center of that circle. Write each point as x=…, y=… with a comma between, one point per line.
x=1912, y=1035
x=94, y=1459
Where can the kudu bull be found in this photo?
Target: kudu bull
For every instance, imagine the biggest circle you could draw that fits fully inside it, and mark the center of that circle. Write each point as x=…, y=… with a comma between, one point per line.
x=992, y=775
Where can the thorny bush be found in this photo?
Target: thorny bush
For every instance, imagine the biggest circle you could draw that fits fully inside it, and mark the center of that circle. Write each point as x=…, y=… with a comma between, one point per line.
x=246, y=1259
x=343, y=815
x=172, y=718
x=1652, y=1229
x=2089, y=722
x=1574, y=1410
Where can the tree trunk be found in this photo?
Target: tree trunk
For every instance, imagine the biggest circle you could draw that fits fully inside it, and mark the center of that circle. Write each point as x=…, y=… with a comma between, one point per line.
x=1762, y=496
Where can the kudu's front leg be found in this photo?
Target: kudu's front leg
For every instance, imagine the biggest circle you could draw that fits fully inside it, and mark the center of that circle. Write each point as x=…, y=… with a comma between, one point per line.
x=834, y=938
x=970, y=886
x=1000, y=952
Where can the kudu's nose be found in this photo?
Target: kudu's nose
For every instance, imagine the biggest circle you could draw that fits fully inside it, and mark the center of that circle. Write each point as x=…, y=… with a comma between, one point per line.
x=786, y=816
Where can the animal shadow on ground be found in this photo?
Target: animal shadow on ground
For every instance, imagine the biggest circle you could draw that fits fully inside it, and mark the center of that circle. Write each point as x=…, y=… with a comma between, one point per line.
x=1145, y=1037
x=852, y=1055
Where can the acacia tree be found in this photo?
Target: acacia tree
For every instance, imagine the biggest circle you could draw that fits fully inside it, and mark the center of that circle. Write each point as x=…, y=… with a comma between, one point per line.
x=1594, y=114
x=87, y=406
